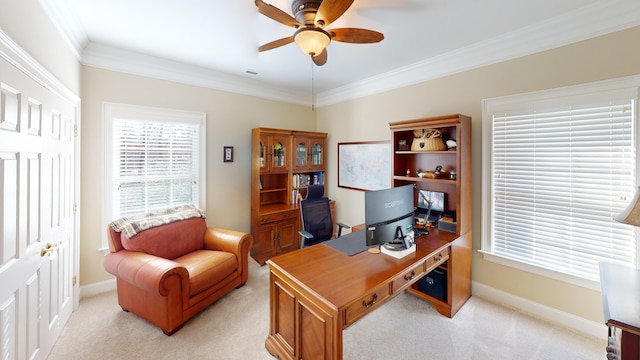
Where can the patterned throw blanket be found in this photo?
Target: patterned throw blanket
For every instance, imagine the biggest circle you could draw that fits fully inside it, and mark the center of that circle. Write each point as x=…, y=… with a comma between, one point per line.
x=137, y=223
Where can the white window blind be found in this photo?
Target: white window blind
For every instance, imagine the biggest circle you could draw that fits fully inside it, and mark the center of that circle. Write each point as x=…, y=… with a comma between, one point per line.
x=154, y=159
x=557, y=175
x=156, y=163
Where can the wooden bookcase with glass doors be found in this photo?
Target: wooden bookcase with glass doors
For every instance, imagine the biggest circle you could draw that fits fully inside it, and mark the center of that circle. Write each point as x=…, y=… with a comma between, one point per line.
x=406, y=164
x=283, y=164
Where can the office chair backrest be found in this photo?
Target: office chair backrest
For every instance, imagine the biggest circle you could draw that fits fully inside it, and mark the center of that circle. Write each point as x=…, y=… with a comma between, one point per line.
x=316, y=215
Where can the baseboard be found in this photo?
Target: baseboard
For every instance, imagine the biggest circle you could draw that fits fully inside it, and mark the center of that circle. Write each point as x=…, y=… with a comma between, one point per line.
x=546, y=313
x=488, y=293
x=97, y=288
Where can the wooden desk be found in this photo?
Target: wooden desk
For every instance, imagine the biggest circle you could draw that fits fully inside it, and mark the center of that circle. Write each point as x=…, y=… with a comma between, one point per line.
x=621, y=304
x=316, y=292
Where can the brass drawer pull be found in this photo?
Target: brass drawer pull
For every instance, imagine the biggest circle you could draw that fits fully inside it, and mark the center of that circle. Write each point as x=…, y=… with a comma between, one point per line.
x=366, y=304
x=410, y=277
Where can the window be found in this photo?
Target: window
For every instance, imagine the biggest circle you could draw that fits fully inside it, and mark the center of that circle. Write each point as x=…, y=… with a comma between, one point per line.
x=154, y=159
x=557, y=166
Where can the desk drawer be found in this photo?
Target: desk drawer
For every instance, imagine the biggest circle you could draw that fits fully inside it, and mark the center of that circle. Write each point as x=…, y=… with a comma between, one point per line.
x=366, y=303
x=267, y=218
x=437, y=259
x=409, y=277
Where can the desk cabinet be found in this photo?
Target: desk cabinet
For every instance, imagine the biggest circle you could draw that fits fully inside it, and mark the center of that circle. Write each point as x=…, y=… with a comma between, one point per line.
x=457, y=189
x=317, y=292
x=277, y=234
x=292, y=311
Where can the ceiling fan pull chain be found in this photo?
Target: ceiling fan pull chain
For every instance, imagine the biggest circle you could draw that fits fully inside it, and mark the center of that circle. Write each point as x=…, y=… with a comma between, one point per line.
x=313, y=94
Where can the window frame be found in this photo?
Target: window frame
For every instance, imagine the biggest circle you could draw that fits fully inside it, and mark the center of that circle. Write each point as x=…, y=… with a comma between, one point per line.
x=112, y=111
x=627, y=85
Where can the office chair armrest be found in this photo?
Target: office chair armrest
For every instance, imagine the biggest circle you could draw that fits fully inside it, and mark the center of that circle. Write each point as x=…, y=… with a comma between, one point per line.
x=305, y=236
x=340, y=226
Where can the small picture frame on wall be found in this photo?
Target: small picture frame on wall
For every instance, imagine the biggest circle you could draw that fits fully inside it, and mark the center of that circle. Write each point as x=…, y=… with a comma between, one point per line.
x=228, y=153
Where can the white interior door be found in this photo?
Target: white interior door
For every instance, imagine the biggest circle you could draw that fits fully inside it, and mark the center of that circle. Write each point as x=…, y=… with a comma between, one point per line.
x=37, y=223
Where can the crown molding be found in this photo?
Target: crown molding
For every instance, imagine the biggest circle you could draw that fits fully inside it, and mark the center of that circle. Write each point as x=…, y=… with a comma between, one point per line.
x=117, y=59
x=597, y=19
x=585, y=23
x=11, y=52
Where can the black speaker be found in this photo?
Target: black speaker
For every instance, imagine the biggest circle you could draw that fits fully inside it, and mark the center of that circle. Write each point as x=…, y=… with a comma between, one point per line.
x=435, y=284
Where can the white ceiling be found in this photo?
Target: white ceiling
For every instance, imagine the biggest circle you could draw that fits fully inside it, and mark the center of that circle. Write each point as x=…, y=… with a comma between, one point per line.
x=215, y=42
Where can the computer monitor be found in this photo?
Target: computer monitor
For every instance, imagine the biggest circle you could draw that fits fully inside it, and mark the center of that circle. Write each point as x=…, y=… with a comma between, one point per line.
x=388, y=215
x=436, y=199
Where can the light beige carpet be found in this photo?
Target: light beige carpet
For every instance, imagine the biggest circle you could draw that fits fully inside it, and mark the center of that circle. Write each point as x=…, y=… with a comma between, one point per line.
x=237, y=325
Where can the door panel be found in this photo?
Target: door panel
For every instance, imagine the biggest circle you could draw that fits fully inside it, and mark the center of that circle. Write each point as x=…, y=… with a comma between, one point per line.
x=37, y=182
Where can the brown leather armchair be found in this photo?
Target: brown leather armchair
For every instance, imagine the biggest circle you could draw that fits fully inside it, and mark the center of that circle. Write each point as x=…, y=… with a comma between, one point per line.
x=169, y=273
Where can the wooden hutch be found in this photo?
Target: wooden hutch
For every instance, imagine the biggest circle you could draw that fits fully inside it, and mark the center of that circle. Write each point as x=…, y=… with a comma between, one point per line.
x=283, y=164
x=405, y=165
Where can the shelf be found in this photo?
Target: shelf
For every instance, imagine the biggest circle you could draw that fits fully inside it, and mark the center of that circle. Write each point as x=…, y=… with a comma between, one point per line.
x=307, y=171
x=272, y=190
x=435, y=302
x=276, y=207
x=409, y=152
x=303, y=187
x=419, y=179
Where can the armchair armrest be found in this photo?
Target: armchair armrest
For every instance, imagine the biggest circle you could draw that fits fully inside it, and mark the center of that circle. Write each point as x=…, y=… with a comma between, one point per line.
x=227, y=240
x=235, y=242
x=147, y=272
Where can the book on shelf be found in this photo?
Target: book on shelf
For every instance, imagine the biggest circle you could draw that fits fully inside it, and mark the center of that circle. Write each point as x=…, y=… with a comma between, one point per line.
x=296, y=196
x=304, y=180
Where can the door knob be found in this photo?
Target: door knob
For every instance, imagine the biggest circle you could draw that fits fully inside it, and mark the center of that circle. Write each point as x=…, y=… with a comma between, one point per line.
x=47, y=249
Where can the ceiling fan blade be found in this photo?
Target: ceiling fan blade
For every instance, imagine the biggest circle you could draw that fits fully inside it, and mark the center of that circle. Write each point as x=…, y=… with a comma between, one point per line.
x=330, y=10
x=321, y=58
x=276, y=43
x=355, y=35
x=276, y=14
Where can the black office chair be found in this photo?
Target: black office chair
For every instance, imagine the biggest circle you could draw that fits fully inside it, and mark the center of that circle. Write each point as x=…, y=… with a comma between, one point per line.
x=317, y=224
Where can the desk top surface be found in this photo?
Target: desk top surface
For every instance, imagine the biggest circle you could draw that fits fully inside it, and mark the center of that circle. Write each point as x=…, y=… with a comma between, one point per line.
x=621, y=296
x=340, y=278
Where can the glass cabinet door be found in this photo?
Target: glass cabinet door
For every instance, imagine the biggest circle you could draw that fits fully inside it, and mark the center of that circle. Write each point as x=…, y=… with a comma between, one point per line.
x=279, y=151
x=301, y=154
x=273, y=153
x=317, y=154
x=263, y=157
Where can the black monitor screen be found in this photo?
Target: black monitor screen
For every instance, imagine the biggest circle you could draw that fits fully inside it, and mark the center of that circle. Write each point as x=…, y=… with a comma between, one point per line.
x=388, y=214
x=436, y=198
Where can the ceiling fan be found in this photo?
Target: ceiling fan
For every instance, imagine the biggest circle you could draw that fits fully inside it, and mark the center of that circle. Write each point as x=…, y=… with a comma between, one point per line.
x=310, y=17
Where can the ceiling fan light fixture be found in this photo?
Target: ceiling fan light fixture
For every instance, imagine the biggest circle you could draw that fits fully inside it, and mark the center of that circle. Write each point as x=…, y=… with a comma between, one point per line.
x=312, y=40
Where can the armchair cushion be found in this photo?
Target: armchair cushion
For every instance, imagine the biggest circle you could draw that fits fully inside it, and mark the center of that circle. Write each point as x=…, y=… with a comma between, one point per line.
x=206, y=267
